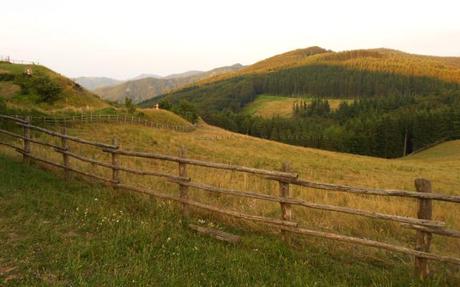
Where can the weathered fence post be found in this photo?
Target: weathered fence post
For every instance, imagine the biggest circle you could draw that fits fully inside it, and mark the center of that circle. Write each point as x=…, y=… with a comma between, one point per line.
x=182, y=188
x=423, y=238
x=26, y=141
x=286, y=212
x=115, y=164
x=65, y=156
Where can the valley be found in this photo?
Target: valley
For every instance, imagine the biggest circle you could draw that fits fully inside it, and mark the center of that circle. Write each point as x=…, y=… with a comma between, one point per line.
x=230, y=143
x=228, y=118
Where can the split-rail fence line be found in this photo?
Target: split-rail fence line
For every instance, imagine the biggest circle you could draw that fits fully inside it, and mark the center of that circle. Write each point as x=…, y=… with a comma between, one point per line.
x=424, y=225
x=93, y=118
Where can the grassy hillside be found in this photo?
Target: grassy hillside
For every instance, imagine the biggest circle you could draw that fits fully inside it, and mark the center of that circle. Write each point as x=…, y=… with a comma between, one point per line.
x=445, y=153
x=146, y=88
x=55, y=233
x=211, y=143
x=21, y=92
x=268, y=106
x=164, y=117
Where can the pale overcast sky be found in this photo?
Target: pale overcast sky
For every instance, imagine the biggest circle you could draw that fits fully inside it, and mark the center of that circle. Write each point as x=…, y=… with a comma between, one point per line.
x=121, y=39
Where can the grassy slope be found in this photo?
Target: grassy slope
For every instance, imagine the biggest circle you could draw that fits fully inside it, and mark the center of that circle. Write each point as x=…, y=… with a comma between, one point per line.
x=54, y=233
x=268, y=106
x=445, y=153
x=215, y=144
x=74, y=98
x=165, y=117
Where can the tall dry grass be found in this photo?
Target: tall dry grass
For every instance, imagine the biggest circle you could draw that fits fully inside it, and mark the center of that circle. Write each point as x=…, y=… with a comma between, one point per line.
x=213, y=144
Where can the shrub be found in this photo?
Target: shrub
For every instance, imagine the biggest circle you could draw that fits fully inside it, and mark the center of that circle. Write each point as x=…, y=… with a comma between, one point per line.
x=130, y=106
x=186, y=110
x=165, y=105
x=47, y=90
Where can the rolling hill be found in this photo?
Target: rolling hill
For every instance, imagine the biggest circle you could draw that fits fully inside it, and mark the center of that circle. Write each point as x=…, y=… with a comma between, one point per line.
x=446, y=152
x=140, y=90
x=389, y=99
x=43, y=91
x=318, y=72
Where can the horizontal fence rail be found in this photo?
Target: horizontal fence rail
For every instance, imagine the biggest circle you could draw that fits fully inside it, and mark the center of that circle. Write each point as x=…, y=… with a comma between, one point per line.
x=383, y=192
x=93, y=118
x=423, y=224
x=275, y=174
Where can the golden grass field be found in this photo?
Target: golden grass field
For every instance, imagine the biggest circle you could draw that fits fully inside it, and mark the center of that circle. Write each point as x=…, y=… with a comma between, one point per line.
x=439, y=164
x=268, y=106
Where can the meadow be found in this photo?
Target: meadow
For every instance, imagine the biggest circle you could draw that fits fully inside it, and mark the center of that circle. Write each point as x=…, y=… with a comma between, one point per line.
x=214, y=144
x=57, y=233
x=268, y=106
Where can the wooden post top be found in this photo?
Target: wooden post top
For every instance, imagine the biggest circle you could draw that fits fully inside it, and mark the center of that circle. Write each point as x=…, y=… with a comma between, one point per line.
x=423, y=185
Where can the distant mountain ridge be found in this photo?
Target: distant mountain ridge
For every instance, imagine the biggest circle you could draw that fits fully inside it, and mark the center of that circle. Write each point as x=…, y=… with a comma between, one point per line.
x=150, y=87
x=92, y=83
x=144, y=76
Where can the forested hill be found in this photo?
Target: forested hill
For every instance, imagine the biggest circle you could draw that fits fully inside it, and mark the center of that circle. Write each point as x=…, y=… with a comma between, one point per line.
x=397, y=102
x=318, y=72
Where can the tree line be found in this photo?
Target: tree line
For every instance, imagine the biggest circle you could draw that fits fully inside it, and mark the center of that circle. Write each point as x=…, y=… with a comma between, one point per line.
x=366, y=126
x=391, y=114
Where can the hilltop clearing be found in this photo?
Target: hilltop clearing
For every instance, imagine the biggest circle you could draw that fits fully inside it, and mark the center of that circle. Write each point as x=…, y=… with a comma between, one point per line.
x=36, y=88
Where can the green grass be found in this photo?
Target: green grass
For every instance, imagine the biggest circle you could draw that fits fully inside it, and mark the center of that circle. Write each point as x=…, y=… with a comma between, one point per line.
x=444, y=152
x=268, y=106
x=164, y=117
x=217, y=145
x=73, y=98
x=54, y=233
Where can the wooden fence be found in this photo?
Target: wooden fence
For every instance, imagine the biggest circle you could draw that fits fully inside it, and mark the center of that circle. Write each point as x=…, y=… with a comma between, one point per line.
x=93, y=118
x=14, y=61
x=424, y=225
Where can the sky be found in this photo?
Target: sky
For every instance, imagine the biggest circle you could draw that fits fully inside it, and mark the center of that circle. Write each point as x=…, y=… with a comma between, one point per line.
x=122, y=39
